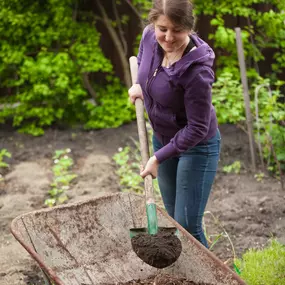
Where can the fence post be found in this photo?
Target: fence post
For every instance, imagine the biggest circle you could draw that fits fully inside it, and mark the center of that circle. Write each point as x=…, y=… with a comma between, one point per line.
x=245, y=96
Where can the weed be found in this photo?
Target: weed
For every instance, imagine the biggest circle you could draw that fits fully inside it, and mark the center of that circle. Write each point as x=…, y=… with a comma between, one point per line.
x=214, y=238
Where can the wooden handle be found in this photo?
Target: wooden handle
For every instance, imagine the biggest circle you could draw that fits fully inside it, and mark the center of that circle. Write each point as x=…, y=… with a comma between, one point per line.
x=144, y=147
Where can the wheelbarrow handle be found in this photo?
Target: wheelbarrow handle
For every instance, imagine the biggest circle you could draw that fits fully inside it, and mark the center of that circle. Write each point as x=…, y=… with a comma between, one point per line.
x=143, y=138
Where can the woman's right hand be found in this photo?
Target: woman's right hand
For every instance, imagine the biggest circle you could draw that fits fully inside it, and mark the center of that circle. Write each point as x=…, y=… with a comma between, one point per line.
x=135, y=92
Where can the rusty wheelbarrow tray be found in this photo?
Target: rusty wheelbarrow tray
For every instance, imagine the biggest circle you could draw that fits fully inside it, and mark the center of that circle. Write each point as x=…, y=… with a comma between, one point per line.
x=88, y=243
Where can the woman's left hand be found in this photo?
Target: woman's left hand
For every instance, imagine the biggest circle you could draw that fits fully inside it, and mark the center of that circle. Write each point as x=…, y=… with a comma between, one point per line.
x=150, y=168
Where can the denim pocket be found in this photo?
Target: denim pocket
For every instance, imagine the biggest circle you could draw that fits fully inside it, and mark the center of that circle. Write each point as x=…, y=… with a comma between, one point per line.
x=210, y=147
x=214, y=144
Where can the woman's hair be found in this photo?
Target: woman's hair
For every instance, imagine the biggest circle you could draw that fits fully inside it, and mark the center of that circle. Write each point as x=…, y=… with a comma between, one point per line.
x=180, y=12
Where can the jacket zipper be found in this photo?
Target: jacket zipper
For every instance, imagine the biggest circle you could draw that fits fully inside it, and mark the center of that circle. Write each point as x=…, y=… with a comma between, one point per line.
x=149, y=81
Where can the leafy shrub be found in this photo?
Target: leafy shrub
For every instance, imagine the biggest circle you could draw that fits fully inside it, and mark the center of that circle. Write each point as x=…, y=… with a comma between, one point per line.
x=262, y=28
x=42, y=62
x=228, y=99
x=113, y=109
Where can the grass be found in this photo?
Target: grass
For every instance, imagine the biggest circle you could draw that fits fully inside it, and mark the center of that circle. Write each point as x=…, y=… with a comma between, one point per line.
x=264, y=267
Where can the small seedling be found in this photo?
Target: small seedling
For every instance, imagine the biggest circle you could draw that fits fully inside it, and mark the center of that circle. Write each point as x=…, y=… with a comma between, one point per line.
x=62, y=177
x=128, y=160
x=4, y=153
x=233, y=168
x=259, y=176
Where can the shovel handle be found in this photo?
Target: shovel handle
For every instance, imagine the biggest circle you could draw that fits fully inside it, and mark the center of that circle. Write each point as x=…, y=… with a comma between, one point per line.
x=144, y=147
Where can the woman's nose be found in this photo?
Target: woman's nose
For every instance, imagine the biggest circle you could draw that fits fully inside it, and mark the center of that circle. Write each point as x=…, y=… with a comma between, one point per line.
x=169, y=36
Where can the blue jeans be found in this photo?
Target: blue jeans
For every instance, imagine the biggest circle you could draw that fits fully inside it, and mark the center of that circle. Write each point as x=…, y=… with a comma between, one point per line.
x=185, y=183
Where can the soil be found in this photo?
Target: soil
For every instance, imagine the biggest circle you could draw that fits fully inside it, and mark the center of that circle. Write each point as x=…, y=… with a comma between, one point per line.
x=164, y=279
x=160, y=250
x=250, y=212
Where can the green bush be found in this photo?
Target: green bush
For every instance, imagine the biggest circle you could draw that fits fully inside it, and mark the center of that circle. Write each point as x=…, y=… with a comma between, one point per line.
x=262, y=28
x=43, y=57
x=114, y=107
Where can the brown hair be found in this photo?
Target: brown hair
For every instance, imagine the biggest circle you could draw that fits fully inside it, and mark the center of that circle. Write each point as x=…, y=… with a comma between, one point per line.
x=180, y=12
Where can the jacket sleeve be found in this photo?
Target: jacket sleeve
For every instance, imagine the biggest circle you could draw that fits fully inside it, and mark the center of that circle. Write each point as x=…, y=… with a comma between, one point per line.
x=141, y=48
x=198, y=104
x=140, y=53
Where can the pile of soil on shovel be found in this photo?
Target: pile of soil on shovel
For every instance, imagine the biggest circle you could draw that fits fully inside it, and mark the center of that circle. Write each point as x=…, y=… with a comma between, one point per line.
x=160, y=250
x=164, y=279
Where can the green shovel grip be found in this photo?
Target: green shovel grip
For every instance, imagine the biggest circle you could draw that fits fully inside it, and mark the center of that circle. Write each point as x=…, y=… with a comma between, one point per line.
x=151, y=218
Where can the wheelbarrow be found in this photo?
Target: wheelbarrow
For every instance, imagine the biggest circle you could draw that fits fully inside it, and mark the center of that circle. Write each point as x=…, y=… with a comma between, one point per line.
x=88, y=243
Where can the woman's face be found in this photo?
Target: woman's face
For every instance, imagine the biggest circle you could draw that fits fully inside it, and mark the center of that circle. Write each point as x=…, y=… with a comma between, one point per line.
x=168, y=35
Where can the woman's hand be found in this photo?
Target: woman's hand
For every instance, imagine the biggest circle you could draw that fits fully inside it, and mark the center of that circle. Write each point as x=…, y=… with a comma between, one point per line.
x=150, y=168
x=135, y=92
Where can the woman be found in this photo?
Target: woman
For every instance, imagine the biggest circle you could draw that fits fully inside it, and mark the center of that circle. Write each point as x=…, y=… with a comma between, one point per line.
x=175, y=80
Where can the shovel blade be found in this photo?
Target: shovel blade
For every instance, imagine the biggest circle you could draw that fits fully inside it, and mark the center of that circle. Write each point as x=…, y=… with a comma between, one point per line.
x=136, y=231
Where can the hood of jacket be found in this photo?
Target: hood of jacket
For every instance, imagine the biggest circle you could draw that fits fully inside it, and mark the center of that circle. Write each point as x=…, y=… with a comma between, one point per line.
x=202, y=55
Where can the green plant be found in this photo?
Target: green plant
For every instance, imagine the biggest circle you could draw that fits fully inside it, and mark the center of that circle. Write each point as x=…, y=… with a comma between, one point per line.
x=265, y=266
x=259, y=176
x=45, y=61
x=228, y=99
x=269, y=124
x=4, y=153
x=114, y=107
x=262, y=28
x=62, y=177
x=214, y=238
x=233, y=168
x=128, y=161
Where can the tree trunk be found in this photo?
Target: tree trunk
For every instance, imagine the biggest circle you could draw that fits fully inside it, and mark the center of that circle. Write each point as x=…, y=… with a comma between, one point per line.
x=117, y=43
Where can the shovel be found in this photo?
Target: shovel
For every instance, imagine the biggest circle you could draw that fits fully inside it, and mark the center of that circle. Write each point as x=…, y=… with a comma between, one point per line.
x=157, y=246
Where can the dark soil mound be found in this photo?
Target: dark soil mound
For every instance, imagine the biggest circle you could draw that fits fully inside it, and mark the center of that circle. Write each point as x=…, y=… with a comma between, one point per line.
x=160, y=250
x=162, y=280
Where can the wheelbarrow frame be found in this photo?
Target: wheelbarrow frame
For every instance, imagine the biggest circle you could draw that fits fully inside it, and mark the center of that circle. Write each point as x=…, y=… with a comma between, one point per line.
x=22, y=235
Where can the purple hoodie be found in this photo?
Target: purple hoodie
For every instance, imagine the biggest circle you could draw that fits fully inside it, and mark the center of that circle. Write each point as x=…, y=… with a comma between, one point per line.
x=177, y=99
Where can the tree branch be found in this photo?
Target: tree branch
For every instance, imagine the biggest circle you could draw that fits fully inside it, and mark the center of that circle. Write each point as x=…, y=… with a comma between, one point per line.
x=136, y=12
x=121, y=32
x=88, y=86
x=74, y=13
x=253, y=43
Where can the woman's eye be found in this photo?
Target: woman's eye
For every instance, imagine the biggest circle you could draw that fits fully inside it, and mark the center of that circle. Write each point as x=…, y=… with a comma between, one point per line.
x=163, y=30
